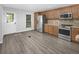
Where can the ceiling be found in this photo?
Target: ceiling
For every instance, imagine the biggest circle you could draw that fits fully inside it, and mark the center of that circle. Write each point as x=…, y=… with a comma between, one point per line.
x=35, y=7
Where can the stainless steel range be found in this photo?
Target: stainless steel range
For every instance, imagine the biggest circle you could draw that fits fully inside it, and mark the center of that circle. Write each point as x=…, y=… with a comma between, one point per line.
x=65, y=32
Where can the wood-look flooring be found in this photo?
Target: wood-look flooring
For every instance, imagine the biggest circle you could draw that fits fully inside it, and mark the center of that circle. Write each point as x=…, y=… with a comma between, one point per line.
x=33, y=42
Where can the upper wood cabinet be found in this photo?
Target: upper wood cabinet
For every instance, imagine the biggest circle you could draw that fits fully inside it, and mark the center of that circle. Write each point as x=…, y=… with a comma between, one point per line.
x=65, y=10
x=49, y=15
x=52, y=15
x=75, y=12
x=55, y=13
x=43, y=13
x=78, y=12
x=72, y=9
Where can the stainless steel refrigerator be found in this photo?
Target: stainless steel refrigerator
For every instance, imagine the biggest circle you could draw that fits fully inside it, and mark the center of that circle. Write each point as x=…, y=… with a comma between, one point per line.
x=40, y=23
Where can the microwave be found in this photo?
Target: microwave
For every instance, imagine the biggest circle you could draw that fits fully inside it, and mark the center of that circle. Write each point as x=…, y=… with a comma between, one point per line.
x=65, y=16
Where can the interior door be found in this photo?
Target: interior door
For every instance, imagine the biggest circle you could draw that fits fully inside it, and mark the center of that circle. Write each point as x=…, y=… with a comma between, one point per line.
x=10, y=23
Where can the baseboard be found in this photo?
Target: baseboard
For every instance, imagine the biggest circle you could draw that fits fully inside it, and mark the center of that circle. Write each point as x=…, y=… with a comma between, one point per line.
x=17, y=32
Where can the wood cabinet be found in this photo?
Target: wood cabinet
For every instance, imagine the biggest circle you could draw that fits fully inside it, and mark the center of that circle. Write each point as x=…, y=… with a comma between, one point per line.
x=51, y=29
x=75, y=31
x=71, y=9
x=67, y=10
x=75, y=12
x=56, y=30
x=78, y=12
x=54, y=14
x=46, y=28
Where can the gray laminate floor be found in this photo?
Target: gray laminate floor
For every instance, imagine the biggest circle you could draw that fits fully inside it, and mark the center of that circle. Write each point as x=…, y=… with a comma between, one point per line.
x=33, y=42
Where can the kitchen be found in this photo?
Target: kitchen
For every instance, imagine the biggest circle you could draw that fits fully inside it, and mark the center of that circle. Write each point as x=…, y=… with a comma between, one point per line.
x=62, y=22
x=39, y=29
x=46, y=31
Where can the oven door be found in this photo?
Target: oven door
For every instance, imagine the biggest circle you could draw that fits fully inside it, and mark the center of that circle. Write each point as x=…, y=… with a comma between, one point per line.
x=64, y=32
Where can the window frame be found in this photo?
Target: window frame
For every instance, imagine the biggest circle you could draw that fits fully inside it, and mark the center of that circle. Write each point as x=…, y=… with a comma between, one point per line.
x=12, y=19
x=28, y=21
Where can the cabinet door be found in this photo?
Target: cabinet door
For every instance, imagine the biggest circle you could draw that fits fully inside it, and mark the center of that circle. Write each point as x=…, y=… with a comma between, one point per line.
x=78, y=12
x=56, y=14
x=47, y=15
x=55, y=30
x=67, y=10
x=53, y=13
x=46, y=28
x=75, y=31
x=50, y=15
x=75, y=12
x=61, y=11
x=51, y=29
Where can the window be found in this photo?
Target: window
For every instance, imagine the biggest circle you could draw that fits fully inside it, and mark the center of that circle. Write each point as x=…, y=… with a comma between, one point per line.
x=28, y=21
x=10, y=17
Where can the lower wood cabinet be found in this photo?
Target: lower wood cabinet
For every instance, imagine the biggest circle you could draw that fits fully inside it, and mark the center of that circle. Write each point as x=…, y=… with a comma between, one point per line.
x=46, y=28
x=75, y=31
x=56, y=30
x=51, y=29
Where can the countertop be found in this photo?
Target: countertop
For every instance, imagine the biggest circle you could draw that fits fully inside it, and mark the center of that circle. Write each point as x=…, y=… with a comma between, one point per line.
x=56, y=25
x=51, y=24
x=75, y=26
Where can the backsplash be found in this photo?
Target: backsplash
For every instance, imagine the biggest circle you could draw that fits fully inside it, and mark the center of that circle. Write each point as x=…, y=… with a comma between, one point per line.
x=68, y=22
x=76, y=22
x=53, y=22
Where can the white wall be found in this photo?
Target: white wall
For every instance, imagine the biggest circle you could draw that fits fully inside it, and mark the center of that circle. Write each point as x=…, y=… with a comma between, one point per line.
x=1, y=28
x=20, y=16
